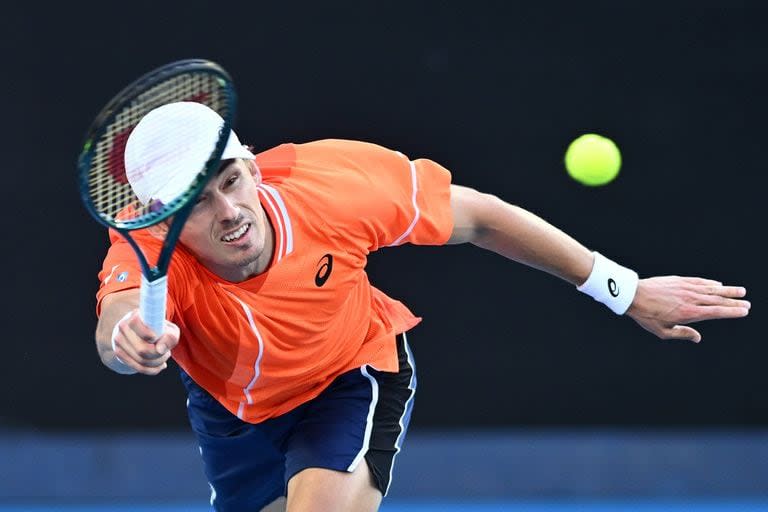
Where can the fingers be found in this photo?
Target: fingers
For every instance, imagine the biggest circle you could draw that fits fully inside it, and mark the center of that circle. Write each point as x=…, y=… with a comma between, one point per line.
x=702, y=281
x=682, y=332
x=672, y=332
x=140, y=328
x=169, y=339
x=668, y=331
x=700, y=313
x=141, y=356
x=665, y=305
x=137, y=347
x=143, y=353
x=720, y=300
x=712, y=287
x=723, y=291
x=742, y=305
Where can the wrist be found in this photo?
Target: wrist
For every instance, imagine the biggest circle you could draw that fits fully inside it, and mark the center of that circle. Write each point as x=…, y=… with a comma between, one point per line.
x=611, y=284
x=118, y=365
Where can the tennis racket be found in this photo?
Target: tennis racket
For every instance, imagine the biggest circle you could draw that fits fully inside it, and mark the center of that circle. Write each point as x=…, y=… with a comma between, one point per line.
x=104, y=184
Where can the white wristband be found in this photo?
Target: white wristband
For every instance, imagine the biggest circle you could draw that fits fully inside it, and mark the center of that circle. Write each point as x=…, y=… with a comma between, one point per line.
x=116, y=330
x=611, y=284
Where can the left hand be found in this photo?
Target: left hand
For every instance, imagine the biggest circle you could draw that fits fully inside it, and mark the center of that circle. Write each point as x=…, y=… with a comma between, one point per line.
x=663, y=305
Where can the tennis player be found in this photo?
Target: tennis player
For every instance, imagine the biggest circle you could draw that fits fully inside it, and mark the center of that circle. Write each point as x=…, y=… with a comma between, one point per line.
x=299, y=376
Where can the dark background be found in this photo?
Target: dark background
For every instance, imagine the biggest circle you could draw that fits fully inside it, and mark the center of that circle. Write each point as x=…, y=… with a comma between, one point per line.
x=492, y=90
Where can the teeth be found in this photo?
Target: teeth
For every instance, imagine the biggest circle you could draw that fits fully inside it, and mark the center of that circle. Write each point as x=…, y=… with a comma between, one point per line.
x=237, y=234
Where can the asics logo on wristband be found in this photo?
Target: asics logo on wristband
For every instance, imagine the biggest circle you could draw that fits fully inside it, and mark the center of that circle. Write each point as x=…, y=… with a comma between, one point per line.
x=613, y=288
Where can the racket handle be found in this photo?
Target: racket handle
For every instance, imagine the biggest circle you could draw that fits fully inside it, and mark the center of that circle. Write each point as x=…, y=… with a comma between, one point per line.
x=152, y=297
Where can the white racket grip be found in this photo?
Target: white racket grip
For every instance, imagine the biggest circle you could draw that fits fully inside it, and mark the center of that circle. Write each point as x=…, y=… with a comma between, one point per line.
x=152, y=297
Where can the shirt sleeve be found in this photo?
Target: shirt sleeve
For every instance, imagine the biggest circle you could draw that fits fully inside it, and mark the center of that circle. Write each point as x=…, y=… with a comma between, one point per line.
x=121, y=269
x=428, y=208
x=381, y=197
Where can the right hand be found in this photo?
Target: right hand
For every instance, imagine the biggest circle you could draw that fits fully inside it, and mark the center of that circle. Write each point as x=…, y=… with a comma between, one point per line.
x=138, y=349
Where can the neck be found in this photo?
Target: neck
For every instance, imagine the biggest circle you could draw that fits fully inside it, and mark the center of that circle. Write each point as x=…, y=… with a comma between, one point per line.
x=265, y=258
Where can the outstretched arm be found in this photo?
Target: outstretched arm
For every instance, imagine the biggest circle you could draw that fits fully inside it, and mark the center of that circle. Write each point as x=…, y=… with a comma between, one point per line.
x=661, y=305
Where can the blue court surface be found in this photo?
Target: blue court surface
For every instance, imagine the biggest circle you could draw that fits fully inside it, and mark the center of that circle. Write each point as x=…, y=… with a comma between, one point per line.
x=596, y=472
x=437, y=506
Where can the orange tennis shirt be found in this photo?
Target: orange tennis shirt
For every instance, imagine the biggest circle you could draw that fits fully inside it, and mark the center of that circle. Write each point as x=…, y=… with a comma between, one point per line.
x=264, y=346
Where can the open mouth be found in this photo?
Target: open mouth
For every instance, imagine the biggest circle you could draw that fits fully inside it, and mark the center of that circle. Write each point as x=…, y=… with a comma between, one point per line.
x=237, y=234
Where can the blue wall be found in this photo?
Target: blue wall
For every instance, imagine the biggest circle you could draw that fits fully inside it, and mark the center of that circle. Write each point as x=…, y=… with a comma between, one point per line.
x=470, y=465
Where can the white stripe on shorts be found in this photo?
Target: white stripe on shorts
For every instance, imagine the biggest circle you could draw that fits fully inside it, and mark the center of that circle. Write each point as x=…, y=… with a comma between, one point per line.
x=369, y=421
x=406, y=410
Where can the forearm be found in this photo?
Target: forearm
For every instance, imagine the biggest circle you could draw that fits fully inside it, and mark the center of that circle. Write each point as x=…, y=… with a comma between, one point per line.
x=114, y=308
x=526, y=238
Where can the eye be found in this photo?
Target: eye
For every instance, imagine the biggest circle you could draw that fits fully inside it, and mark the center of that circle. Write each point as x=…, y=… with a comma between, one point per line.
x=231, y=180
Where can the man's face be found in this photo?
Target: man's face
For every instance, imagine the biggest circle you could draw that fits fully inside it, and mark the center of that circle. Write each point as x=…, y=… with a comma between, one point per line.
x=228, y=230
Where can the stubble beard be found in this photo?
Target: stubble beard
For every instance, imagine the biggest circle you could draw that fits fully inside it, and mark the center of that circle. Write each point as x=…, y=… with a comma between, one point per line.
x=248, y=259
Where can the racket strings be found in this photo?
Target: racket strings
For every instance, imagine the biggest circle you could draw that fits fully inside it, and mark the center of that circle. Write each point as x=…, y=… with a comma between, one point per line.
x=109, y=189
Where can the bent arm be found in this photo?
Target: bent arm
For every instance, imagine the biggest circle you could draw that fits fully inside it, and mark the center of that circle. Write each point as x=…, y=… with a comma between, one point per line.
x=132, y=347
x=113, y=308
x=486, y=221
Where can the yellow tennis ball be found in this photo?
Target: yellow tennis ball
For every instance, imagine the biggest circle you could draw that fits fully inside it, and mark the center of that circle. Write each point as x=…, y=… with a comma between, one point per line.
x=593, y=160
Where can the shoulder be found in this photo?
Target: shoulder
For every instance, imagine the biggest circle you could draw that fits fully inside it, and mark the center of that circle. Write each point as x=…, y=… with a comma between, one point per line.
x=329, y=171
x=327, y=151
x=350, y=152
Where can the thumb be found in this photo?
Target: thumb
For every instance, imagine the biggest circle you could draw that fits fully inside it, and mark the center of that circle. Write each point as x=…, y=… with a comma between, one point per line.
x=169, y=339
x=684, y=332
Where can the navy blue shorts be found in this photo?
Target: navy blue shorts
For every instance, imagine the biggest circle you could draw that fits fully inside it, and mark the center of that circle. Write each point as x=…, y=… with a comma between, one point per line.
x=362, y=415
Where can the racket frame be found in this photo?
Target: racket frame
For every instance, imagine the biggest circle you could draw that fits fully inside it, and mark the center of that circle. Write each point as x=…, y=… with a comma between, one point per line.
x=153, y=290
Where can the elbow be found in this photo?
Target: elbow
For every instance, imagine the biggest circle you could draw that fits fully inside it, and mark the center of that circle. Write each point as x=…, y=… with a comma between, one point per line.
x=473, y=215
x=103, y=341
x=487, y=215
x=103, y=349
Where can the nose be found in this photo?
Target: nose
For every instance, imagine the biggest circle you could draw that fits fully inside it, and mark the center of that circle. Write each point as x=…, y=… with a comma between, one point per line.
x=226, y=209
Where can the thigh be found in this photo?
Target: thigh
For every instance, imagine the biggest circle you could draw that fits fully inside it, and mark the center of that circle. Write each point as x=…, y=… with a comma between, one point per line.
x=359, y=420
x=337, y=491
x=242, y=462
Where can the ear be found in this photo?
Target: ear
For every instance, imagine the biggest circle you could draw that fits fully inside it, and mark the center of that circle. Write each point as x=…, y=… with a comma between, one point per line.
x=255, y=171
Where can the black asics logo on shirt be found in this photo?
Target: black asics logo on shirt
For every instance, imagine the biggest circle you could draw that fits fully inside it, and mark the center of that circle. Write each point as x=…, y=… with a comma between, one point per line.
x=324, y=270
x=613, y=288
